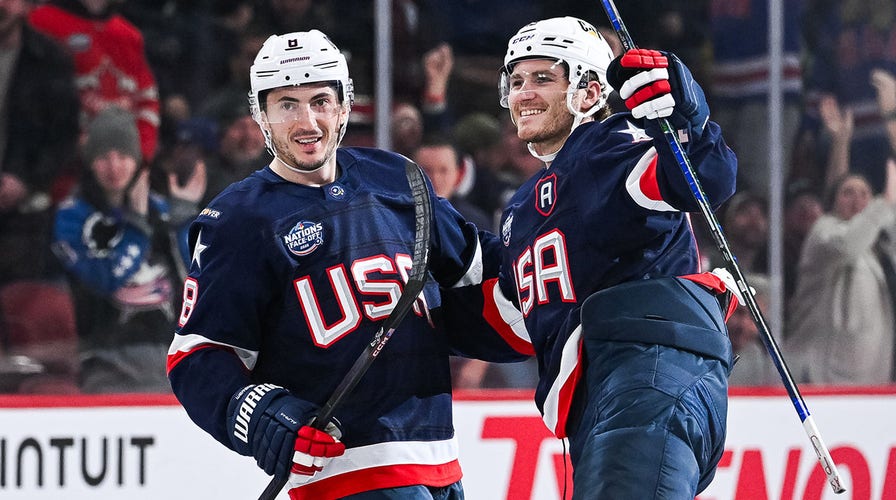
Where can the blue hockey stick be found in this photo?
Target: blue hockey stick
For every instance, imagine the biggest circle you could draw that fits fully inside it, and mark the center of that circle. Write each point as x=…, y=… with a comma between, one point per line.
x=824, y=456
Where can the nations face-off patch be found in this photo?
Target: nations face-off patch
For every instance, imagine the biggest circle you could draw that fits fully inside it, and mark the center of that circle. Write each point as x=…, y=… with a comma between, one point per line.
x=304, y=238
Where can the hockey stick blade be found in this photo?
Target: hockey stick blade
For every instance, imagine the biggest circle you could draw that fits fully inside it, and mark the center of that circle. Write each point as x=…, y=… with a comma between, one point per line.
x=821, y=450
x=412, y=289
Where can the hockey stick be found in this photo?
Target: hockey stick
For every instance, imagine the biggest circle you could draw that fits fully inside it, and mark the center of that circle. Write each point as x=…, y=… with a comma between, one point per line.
x=824, y=456
x=412, y=290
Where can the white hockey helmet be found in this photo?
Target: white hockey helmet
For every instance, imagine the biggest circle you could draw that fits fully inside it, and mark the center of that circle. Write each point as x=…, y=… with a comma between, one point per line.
x=568, y=39
x=295, y=59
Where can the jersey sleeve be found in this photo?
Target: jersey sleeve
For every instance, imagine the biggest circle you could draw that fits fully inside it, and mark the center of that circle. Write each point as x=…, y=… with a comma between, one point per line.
x=713, y=162
x=217, y=340
x=456, y=251
x=479, y=321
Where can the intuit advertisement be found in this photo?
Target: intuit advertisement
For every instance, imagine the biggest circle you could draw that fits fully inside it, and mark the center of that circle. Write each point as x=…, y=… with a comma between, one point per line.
x=138, y=447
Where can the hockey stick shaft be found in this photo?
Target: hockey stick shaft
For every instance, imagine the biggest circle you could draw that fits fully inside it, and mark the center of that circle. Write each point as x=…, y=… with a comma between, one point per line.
x=412, y=290
x=821, y=450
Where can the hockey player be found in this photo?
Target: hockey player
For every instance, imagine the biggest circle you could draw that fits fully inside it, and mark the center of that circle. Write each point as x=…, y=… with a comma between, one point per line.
x=294, y=269
x=601, y=261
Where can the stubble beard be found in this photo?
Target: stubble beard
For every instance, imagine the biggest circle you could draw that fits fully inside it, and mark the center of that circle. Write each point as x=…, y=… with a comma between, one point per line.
x=554, y=130
x=286, y=155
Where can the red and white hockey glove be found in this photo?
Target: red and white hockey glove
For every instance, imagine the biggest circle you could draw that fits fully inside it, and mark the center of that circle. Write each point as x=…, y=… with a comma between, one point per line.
x=264, y=422
x=657, y=84
x=645, y=87
x=313, y=449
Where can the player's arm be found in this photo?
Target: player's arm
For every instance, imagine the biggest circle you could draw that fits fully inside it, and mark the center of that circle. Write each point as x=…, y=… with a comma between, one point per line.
x=657, y=85
x=479, y=320
x=216, y=348
x=264, y=421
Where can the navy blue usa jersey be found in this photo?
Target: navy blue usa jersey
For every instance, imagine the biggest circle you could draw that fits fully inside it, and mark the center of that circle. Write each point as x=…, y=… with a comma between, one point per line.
x=610, y=209
x=288, y=283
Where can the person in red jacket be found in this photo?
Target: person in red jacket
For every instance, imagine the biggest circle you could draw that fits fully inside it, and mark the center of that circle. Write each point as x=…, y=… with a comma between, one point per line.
x=110, y=62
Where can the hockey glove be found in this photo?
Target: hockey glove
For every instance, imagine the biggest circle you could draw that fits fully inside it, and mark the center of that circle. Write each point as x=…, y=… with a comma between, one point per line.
x=313, y=449
x=657, y=84
x=263, y=422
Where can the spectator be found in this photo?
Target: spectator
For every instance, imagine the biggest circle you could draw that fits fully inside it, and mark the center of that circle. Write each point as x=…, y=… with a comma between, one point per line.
x=476, y=31
x=740, y=83
x=125, y=251
x=412, y=37
x=284, y=16
x=241, y=147
x=884, y=83
x=745, y=222
x=110, y=63
x=195, y=140
x=412, y=119
x=171, y=31
x=438, y=64
x=479, y=137
x=679, y=26
x=845, y=42
x=406, y=128
x=802, y=207
x=219, y=40
x=442, y=162
x=842, y=313
x=232, y=88
x=754, y=366
x=38, y=137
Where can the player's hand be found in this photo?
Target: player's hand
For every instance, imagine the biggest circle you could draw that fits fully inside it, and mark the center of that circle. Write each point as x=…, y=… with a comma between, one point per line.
x=263, y=422
x=313, y=449
x=657, y=84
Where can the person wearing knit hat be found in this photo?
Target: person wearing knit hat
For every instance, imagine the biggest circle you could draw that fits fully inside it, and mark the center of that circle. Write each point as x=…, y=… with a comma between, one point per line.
x=115, y=129
x=124, y=252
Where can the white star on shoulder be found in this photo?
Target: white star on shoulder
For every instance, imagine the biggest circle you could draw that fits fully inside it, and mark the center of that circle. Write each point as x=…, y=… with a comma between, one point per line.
x=638, y=134
x=197, y=251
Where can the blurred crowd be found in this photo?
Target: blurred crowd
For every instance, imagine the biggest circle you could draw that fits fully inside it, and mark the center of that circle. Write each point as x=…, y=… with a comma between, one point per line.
x=120, y=120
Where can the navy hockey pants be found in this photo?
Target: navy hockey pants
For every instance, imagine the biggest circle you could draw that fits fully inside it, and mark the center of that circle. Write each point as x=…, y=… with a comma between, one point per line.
x=653, y=425
x=451, y=492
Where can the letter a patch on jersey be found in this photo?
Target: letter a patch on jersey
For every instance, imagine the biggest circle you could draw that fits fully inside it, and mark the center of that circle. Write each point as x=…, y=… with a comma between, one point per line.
x=546, y=195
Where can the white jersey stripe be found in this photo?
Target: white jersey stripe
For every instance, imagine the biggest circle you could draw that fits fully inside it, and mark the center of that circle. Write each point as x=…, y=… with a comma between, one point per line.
x=559, y=398
x=187, y=343
x=390, y=453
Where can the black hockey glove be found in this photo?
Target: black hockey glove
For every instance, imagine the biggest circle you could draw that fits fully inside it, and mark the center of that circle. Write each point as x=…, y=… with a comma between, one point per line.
x=264, y=422
x=657, y=84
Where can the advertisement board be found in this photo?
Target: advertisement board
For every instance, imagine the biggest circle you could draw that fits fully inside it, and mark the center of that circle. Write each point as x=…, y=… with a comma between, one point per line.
x=139, y=447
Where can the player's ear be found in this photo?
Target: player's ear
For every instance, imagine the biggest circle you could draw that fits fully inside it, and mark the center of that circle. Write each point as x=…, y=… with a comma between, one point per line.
x=590, y=96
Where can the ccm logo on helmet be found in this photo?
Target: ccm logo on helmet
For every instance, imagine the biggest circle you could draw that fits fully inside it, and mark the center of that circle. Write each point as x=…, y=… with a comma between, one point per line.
x=521, y=39
x=587, y=27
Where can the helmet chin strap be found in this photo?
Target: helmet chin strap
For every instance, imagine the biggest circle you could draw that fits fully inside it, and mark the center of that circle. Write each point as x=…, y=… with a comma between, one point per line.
x=296, y=170
x=548, y=158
